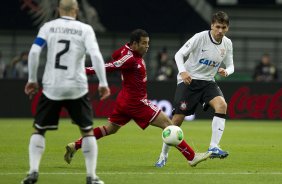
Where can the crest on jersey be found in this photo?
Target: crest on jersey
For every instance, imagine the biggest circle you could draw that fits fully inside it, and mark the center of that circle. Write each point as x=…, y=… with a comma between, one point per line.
x=183, y=106
x=42, y=11
x=222, y=52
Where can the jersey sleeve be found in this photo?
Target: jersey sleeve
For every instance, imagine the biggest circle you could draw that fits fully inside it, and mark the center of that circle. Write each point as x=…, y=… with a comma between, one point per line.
x=34, y=53
x=97, y=60
x=123, y=63
x=115, y=65
x=228, y=60
x=185, y=50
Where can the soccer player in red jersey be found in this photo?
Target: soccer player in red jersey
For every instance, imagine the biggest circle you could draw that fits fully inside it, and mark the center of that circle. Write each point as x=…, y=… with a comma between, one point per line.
x=132, y=102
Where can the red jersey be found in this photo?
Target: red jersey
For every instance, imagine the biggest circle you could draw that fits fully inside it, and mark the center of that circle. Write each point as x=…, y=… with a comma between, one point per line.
x=131, y=102
x=133, y=73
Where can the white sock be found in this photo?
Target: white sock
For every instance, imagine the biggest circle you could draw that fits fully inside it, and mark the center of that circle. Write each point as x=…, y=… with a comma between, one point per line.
x=165, y=150
x=36, y=150
x=218, y=125
x=90, y=151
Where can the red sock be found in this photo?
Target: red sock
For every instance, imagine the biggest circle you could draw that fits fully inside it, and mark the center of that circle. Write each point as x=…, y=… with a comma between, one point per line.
x=186, y=150
x=98, y=133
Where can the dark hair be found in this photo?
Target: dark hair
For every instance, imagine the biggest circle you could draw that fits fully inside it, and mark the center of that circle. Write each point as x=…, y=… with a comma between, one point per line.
x=137, y=34
x=220, y=17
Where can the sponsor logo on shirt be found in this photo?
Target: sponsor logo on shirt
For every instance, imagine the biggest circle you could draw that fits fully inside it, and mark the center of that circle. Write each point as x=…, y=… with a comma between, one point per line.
x=209, y=63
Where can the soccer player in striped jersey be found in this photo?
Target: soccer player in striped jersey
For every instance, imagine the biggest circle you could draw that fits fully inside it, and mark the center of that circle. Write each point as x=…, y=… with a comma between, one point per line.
x=206, y=51
x=64, y=85
x=132, y=102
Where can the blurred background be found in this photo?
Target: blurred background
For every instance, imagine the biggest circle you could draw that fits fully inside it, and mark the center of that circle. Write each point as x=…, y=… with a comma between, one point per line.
x=255, y=30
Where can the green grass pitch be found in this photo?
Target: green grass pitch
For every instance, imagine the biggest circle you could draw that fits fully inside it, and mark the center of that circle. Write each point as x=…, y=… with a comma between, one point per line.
x=128, y=157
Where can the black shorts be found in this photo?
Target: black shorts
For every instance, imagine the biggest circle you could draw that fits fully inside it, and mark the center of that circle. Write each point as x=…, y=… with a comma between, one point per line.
x=187, y=97
x=48, y=113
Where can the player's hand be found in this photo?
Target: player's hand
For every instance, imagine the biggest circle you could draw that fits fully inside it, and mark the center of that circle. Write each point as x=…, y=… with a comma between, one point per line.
x=222, y=72
x=104, y=92
x=186, y=78
x=31, y=88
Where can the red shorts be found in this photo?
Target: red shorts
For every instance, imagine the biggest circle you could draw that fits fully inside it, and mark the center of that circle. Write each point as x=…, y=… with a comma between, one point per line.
x=143, y=112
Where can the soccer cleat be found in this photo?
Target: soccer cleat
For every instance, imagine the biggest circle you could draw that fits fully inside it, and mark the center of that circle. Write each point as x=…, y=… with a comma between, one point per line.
x=161, y=161
x=90, y=180
x=199, y=157
x=218, y=153
x=30, y=178
x=70, y=151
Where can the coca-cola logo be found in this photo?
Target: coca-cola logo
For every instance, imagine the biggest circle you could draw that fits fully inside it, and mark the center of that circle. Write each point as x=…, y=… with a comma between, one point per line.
x=245, y=104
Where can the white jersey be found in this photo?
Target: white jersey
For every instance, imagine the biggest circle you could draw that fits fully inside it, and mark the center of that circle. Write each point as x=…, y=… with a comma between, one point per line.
x=67, y=42
x=205, y=56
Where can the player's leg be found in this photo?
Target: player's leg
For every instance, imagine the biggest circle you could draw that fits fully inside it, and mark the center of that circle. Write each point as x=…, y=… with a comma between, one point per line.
x=99, y=132
x=162, y=121
x=80, y=112
x=181, y=108
x=36, y=150
x=177, y=119
x=90, y=151
x=47, y=114
x=193, y=159
x=218, y=124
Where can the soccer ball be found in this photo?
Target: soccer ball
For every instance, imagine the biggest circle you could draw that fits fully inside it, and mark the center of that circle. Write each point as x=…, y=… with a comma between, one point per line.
x=172, y=135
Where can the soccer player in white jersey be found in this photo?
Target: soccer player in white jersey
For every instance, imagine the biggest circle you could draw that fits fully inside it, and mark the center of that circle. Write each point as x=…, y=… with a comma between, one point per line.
x=64, y=85
x=195, y=81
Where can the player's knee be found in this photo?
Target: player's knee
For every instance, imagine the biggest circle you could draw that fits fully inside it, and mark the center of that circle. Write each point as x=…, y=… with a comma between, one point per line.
x=221, y=107
x=39, y=131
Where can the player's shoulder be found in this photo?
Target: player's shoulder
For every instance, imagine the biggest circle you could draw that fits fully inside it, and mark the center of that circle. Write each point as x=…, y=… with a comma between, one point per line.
x=126, y=54
x=122, y=51
x=87, y=26
x=202, y=34
x=227, y=40
x=82, y=25
x=48, y=24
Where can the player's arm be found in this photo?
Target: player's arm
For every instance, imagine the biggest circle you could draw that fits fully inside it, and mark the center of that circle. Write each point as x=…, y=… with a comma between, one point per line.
x=94, y=52
x=97, y=60
x=31, y=87
x=33, y=58
x=228, y=61
x=123, y=63
x=183, y=52
x=126, y=62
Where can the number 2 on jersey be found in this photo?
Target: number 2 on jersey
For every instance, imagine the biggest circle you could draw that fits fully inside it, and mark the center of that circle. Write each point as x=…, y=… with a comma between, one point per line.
x=59, y=54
